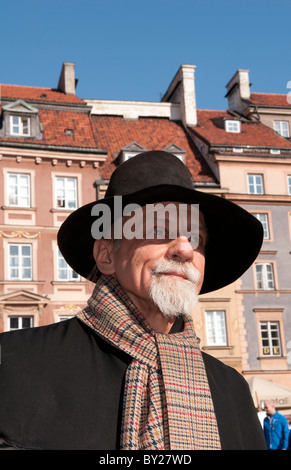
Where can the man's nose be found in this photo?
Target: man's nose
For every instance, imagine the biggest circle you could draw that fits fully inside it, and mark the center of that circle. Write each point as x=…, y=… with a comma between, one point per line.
x=180, y=249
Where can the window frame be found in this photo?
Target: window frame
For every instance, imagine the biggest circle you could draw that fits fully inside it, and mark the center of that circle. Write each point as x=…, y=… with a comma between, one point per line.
x=20, y=267
x=20, y=317
x=270, y=339
x=280, y=129
x=233, y=126
x=67, y=269
x=66, y=179
x=265, y=224
x=20, y=125
x=213, y=322
x=255, y=184
x=18, y=186
x=264, y=273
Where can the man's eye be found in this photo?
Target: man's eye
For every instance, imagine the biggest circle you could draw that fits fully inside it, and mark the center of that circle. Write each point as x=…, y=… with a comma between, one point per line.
x=194, y=239
x=159, y=232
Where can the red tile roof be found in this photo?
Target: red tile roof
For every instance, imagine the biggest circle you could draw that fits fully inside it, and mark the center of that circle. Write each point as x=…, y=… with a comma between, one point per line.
x=270, y=99
x=45, y=95
x=112, y=133
x=54, y=121
x=54, y=125
x=211, y=128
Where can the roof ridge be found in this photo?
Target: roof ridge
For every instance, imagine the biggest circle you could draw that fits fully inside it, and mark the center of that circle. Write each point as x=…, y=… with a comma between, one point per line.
x=27, y=86
x=213, y=110
x=266, y=93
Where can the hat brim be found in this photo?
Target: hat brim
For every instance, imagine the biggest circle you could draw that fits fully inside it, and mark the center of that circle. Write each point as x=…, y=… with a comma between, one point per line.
x=234, y=236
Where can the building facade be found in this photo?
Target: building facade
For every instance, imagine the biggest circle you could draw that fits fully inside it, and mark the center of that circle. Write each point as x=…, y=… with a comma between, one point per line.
x=58, y=152
x=49, y=162
x=249, y=150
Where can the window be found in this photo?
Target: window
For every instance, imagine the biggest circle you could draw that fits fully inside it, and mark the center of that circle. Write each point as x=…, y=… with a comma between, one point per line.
x=20, y=262
x=65, y=272
x=289, y=184
x=264, y=276
x=65, y=317
x=19, y=125
x=17, y=323
x=255, y=184
x=232, y=126
x=263, y=218
x=66, y=193
x=282, y=128
x=215, y=328
x=180, y=156
x=270, y=338
x=18, y=190
x=128, y=155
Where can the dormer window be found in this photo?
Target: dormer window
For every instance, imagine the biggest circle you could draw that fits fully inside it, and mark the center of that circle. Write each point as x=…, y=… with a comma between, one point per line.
x=282, y=128
x=232, y=125
x=176, y=150
x=20, y=120
x=131, y=150
x=20, y=125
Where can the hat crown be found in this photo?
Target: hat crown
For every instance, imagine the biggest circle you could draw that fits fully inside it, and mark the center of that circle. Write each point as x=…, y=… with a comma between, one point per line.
x=147, y=170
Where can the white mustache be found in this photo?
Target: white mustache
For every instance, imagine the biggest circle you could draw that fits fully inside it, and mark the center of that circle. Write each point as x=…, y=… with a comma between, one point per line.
x=184, y=269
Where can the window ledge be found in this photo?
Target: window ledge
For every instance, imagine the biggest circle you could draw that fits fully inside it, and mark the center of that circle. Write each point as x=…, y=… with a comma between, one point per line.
x=269, y=358
x=276, y=292
x=61, y=283
x=18, y=208
x=21, y=281
x=63, y=210
x=220, y=348
x=20, y=136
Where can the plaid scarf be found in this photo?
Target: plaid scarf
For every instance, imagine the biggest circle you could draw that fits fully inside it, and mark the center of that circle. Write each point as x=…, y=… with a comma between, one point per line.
x=167, y=401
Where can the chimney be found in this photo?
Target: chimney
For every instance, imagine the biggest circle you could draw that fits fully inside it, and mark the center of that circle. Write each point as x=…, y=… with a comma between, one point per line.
x=67, y=81
x=182, y=91
x=238, y=89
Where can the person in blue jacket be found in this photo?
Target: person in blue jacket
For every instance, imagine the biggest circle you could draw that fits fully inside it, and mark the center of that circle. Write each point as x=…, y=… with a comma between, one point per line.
x=276, y=428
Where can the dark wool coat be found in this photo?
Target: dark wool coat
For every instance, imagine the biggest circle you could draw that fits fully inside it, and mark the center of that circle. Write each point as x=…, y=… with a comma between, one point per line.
x=61, y=388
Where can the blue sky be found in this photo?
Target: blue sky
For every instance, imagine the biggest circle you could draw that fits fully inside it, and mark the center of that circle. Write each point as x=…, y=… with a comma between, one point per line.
x=131, y=49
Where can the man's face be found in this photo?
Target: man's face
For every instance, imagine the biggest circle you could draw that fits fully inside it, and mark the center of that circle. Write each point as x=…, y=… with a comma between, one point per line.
x=270, y=408
x=149, y=268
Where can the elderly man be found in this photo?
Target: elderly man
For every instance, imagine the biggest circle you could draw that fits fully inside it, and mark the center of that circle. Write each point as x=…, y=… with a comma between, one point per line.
x=127, y=372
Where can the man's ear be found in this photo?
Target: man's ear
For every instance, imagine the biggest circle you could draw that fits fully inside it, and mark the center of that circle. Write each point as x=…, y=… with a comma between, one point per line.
x=103, y=254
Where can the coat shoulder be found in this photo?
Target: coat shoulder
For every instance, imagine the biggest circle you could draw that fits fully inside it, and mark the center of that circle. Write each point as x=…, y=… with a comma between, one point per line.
x=222, y=373
x=237, y=419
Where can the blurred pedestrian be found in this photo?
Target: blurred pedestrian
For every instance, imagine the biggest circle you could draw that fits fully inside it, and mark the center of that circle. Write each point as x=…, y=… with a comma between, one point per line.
x=276, y=428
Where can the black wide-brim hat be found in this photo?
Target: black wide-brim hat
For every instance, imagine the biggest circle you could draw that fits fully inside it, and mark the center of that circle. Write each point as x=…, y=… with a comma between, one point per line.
x=234, y=236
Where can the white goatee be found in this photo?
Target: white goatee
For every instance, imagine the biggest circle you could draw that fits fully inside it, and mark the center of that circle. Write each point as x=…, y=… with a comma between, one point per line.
x=174, y=297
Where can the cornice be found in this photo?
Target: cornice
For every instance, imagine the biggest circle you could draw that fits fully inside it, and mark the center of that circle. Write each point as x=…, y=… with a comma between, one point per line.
x=259, y=198
x=39, y=155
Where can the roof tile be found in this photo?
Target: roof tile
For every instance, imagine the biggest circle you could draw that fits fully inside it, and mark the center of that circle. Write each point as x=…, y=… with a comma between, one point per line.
x=211, y=128
x=45, y=95
x=269, y=99
x=112, y=133
x=55, y=124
